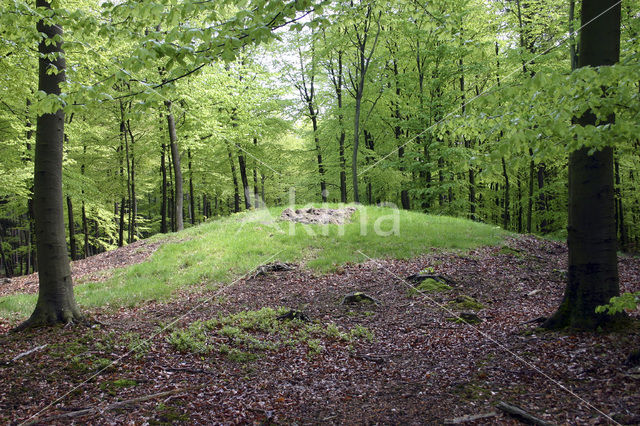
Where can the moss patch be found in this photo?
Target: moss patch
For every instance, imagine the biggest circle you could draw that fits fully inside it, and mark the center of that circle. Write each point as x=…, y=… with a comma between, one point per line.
x=427, y=286
x=463, y=302
x=242, y=337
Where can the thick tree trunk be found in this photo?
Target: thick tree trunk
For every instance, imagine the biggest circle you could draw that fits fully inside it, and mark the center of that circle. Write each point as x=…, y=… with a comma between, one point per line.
x=175, y=155
x=56, y=302
x=593, y=266
x=72, y=230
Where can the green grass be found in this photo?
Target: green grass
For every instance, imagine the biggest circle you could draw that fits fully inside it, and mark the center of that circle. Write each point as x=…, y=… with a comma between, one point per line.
x=220, y=251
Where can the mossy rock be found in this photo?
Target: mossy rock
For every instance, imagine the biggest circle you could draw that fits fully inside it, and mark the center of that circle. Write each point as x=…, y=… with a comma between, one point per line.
x=429, y=285
x=466, y=302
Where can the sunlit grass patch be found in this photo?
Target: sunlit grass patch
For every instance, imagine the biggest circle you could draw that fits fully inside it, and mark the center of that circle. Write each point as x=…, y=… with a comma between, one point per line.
x=222, y=250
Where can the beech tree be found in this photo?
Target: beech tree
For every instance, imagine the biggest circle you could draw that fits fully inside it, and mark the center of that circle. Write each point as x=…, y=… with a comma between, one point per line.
x=56, y=302
x=593, y=263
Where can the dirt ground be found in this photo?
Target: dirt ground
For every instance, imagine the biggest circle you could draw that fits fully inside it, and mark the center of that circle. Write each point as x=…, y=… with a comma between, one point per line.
x=420, y=367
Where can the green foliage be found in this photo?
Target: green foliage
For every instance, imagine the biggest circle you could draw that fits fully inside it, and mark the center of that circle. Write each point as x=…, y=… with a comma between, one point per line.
x=243, y=336
x=625, y=302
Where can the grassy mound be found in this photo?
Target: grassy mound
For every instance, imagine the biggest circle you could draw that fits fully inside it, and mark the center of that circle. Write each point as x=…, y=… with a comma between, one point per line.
x=222, y=250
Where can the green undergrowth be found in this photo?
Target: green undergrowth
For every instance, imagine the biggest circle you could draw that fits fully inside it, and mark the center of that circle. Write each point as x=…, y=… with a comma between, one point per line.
x=219, y=251
x=244, y=336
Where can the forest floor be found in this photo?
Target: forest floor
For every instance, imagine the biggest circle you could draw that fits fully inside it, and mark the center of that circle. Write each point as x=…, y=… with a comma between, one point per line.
x=221, y=356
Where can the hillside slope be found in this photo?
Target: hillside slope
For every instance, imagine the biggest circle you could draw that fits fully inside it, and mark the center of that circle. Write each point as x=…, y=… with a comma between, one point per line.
x=219, y=251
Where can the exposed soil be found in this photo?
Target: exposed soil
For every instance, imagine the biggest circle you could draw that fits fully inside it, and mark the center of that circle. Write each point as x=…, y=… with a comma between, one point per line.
x=420, y=368
x=94, y=268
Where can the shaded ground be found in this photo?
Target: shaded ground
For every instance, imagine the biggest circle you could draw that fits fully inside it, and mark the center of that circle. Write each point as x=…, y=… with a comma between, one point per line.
x=420, y=367
x=94, y=268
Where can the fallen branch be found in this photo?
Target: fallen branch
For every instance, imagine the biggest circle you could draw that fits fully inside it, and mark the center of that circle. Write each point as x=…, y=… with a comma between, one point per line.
x=29, y=352
x=95, y=410
x=372, y=357
x=472, y=418
x=538, y=320
x=520, y=414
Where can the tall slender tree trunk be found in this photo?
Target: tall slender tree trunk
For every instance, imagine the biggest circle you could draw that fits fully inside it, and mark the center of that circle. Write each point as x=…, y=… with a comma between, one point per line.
x=245, y=181
x=175, y=155
x=56, y=302
x=72, y=230
x=256, y=191
x=85, y=232
x=133, y=203
x=593, y=266
x=532, y=168
x=620, y=225
x=163, y=206
x=505, y=214
x=192, y=210
x=236, y=191
x=542, y=199
x=8, y=270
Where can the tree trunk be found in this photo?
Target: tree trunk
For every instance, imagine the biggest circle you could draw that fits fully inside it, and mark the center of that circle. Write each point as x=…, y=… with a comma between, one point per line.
x=163, y=207
x=620, y=225
x=505, y=213
x=236, y=191
x=85, y=231
x=133, y=202
x=593, y=266
x=532, y=167
x=245, y=181
x=175, y=155
x=8, y=271
x=192, y=210
x=56, y=302
x=72, y=230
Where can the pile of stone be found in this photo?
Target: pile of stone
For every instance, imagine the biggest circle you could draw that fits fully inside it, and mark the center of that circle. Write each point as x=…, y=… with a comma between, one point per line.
x=321, y=216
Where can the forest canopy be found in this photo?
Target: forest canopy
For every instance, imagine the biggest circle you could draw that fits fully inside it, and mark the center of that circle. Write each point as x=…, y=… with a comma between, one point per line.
x=460, y=108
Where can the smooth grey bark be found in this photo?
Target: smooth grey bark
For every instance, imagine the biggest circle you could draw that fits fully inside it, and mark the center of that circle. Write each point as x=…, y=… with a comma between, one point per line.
x=56, y=302
x=593, y=265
